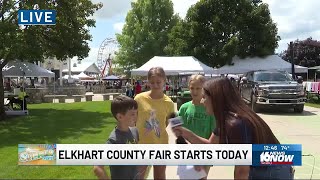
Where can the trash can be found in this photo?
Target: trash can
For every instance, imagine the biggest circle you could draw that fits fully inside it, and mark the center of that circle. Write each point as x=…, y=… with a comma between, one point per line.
x=183, y=97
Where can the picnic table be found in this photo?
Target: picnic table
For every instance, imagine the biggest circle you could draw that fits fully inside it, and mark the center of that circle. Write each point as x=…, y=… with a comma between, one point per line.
x=89, y=97
x=61, y=98
x=107, y=96
x=77, y=98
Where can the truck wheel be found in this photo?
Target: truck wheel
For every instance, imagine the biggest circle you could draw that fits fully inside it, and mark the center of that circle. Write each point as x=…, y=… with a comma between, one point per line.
x=299, y=109
x=254, y=105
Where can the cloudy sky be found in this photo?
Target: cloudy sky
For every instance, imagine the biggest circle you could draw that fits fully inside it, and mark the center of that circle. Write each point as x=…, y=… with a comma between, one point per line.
x=295, y=19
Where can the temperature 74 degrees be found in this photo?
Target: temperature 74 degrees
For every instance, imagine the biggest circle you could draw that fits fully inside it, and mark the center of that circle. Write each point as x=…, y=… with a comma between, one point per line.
x=284, y=148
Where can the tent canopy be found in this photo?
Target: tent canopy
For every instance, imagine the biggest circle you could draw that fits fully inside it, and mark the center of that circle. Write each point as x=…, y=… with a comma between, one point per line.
x=112, y=77
x=19, y=69
x=314, y=68
x=174, y=66
x=72, y=77
x=272, y=62
x=82, y=75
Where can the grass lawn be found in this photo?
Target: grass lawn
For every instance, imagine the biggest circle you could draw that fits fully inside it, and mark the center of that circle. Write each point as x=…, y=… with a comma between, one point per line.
x=74, y=123
x=314, y=102
x=313, y=105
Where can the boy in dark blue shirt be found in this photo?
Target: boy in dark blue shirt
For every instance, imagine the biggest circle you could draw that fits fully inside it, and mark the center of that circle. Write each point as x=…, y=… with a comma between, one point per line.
x=124, y=109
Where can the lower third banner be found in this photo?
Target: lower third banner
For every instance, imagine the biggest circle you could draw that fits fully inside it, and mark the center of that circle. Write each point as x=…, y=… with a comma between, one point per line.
x=136, y=154
x=160, y=154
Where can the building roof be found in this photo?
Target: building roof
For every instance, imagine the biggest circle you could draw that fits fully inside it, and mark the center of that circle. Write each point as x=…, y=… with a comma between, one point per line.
x=89, y=67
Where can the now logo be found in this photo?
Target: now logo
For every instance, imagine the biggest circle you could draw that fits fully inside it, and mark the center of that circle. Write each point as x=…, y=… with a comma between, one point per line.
x=37, y=17
x=276, y=158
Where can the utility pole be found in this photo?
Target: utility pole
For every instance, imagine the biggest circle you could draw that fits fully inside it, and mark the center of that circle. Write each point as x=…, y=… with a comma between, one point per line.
x=292, y=60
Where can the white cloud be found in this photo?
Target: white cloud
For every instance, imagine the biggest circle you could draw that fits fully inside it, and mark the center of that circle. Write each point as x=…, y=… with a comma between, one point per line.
x=181, y=6
x=118, y=27
x=295, y=19
x=92, y=57
x=112, y=8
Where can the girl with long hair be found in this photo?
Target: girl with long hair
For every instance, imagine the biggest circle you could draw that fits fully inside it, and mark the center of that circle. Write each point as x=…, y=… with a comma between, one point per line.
x=236, y=124
x=154, y=108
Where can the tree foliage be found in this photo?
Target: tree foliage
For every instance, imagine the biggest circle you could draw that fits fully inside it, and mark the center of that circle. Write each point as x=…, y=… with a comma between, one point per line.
x=68, y=38
x=305, y=52
x=216, y=30
x=145, y=33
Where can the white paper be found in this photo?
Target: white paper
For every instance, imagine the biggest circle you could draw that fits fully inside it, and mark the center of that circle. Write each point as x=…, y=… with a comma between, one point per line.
x=188, y=172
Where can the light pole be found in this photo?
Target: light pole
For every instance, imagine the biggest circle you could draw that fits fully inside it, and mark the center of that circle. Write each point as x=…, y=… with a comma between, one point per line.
x=50, y=68
x=69, y=68
x=60, y=73
x=292, y=60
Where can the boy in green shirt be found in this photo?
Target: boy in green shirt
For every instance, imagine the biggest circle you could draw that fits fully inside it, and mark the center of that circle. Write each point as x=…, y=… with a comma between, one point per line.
x=193, y=113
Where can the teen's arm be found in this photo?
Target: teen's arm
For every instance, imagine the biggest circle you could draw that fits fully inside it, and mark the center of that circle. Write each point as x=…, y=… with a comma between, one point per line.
x=100, y=172
x=170, y=110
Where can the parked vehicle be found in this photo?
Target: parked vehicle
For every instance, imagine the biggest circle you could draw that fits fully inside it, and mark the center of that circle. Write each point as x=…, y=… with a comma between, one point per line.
x=272, y=89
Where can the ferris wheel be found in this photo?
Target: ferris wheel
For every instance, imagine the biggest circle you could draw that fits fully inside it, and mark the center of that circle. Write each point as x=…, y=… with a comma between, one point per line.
x=106, y=53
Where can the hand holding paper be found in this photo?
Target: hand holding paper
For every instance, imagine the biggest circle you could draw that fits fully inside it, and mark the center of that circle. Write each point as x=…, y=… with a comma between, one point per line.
x=189, y=172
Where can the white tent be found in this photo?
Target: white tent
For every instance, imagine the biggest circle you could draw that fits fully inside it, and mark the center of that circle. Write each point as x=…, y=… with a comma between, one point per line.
x=174, y=66
x=82, y=75
x=72, y=77
x=19, y=69
x=272, y=62
x=112, y=77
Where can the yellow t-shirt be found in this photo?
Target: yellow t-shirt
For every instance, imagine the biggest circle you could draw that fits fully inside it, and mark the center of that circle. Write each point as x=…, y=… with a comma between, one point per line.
x=152, y=117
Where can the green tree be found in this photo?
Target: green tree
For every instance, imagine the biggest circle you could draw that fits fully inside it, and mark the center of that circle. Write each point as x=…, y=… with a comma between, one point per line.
x=145, y=33
x=305, y=52
x=216, y=30
x=179, y=37
x=68, y=38
x=119, y=70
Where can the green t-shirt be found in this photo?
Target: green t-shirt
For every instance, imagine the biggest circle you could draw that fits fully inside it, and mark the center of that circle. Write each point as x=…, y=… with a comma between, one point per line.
x=196, y=119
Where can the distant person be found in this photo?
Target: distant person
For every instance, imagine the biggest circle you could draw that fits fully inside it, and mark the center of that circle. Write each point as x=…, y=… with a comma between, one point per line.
x=21, y=100
x=124, y=110
x=7, y=85
x=167, y=89
x=129, y=89
x=138, y=88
